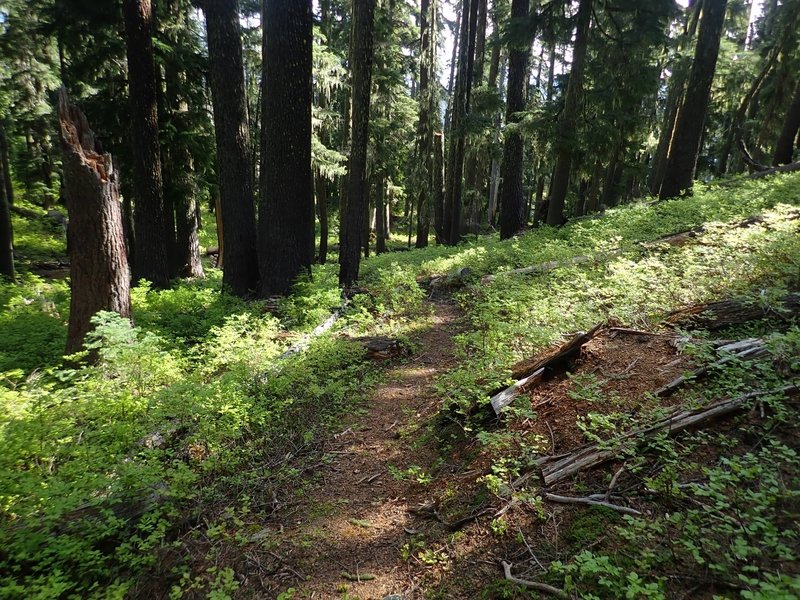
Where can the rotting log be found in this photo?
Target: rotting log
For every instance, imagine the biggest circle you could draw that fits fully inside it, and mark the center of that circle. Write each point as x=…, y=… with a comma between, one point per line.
x=551, y=265
x=681, y=238
x=556, y=469
x=728, y=313
x=502, y=399
x=99, y=276
x=558, y=359
x=791, y=167
x=589, y=501
x=305, y=341
x=749, y=349
x=529, y=374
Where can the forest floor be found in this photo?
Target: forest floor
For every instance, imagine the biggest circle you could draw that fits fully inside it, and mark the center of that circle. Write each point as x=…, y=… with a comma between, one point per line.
x=357, y=517
x=197, y=459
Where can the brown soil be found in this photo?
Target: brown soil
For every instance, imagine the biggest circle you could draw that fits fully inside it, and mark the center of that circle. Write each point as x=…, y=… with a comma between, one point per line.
x=357, y=517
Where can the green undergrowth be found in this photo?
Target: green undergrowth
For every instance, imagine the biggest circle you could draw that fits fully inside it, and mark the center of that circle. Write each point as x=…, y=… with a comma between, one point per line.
x=722, y=501
x=191, y=417
x=515, y=316
x=188, y=412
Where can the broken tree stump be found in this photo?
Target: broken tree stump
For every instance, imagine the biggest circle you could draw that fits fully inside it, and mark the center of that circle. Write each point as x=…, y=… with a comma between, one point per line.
x=557, y=359
x=501, y=400
x=529, y=374
x=99, y=277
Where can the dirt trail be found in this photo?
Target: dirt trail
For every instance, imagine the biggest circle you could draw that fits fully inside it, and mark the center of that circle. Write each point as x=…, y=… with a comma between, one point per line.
x=357, y=519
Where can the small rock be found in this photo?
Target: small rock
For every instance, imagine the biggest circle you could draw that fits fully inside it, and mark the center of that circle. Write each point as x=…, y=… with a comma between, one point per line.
x=394, y=597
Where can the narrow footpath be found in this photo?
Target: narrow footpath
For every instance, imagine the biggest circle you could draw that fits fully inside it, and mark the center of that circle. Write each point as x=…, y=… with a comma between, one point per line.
x=357, y=519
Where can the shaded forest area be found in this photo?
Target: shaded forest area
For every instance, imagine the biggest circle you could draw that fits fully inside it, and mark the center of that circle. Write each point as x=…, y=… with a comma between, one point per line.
x=399, y=299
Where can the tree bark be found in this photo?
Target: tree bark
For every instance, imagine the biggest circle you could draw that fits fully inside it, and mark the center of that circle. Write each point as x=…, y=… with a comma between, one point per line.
x=151, y=249
x=5, y=164
x=380, y=214
x=186, y=222
x=461, y=103
x=685, y=146
x=438, y=186
x=361, y=52
x=99, y=277
x=234, y=156
x=677, y=87
x=568, y=119
x=427, y=110
x=784, y=148
x=6, y=233
x=179, y=176
x=512, y=204
x=286, y=211
x=321, y=187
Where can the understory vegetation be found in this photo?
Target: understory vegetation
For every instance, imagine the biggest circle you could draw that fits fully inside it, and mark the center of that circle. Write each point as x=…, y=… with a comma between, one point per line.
x=141, y=472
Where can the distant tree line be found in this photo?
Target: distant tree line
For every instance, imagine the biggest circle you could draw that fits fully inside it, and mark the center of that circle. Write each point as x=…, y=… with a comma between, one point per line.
x=289, y=124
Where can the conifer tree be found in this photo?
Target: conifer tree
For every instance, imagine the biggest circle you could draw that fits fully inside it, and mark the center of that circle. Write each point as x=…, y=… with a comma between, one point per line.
x=234, y=159
x=286, y=208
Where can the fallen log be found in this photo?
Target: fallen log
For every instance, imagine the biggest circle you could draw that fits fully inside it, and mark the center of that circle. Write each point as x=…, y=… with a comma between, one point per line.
x=556, y=470
x=529, y=374
x=748, y=158
x=306, y=340
x=749, y=349
x=727, y=313
x=791, y=167
x=506, y=397
x=589, y=501
x=683, y=237
x=551, y=265
x=381, y=348
x=558, y=359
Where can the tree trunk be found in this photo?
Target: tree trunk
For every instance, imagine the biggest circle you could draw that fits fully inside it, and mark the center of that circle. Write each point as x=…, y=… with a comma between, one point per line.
x=512, y=204
x=234, y=156
x=689, y=125
x=179, y=176
x=5, y=165
x=321, y=186
x=151, y=249
x=461, y=103
x=6, y=233
x=187, y=224
x=99, y=277
x=677, y=86
x=568, y=119
x=784, y=148
x=220, y=233
x=380, y=215
x=361, y=51
x=286, y=211
x=427, y=112
x=438, y=186
x=453, y=62
x=674, y=98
